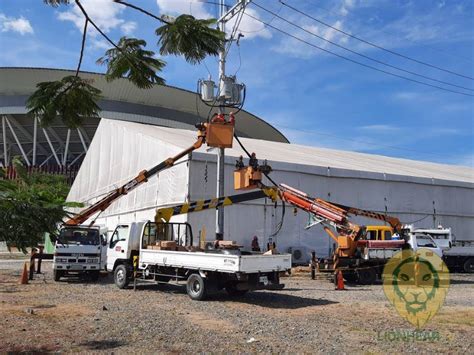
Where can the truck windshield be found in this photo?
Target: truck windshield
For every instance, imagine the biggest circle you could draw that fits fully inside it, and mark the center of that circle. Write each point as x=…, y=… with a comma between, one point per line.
x=439, y=236
x=79, y=236
x=423, y=240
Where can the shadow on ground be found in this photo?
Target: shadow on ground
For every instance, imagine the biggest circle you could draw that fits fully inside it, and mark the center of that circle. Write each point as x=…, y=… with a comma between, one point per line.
x=103, y=344
x=273, y=300
x=264, y=299
x=461, y=282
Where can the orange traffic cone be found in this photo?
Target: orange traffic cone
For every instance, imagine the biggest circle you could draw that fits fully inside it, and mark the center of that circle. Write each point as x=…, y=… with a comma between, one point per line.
x=339, y=281
x=24, y=274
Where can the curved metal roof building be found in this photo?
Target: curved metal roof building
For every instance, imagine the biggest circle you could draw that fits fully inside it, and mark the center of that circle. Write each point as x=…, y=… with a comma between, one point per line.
x=57, y=145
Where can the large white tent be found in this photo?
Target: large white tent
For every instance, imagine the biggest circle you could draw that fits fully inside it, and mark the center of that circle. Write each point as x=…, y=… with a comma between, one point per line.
x=427, y=193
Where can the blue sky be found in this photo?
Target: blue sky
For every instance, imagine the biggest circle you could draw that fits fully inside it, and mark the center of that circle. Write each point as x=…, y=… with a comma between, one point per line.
x=312, y=97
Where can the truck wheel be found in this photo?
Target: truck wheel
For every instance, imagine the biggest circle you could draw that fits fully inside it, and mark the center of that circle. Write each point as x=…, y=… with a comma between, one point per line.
x=350, y=276
x=121, y=277
x=469, y=265
x=366, y=276
x=196, y=287
x=57, y=274
x=234, y=292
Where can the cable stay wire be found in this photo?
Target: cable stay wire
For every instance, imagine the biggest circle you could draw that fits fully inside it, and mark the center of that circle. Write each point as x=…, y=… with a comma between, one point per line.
x=355, y=61
x=360, y=54
x=374, y=44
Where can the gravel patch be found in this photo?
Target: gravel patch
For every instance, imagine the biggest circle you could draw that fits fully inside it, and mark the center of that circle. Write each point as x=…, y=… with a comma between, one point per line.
x=307, y=316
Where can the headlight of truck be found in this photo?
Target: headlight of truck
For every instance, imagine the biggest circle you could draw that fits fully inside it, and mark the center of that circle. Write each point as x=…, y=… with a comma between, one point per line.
x=61, y=260
x=93, y=261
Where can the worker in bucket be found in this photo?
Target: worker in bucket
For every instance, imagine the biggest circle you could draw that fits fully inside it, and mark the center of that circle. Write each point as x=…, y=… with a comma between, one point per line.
x=253, y=161
x=255, y=245
x=239, y=164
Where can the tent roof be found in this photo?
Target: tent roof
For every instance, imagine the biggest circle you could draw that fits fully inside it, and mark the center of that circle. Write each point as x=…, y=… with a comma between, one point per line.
x=293, y=154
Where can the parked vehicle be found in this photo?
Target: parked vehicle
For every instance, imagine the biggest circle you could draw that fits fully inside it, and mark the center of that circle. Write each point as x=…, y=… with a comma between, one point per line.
x=160, y=252
x=457, y=254
x=80, y=251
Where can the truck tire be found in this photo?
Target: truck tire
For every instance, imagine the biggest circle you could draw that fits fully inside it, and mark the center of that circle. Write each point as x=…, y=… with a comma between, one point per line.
x=366, y=276
x=350, y=276
x=57, y=274
x=196, y=287
x=121, y=276
x=469, y=265
x=234, y=292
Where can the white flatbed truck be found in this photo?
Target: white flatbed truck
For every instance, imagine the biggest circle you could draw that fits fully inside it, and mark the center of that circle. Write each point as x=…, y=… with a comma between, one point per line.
x=457, y=254
x=134, y=255
x=80, y=251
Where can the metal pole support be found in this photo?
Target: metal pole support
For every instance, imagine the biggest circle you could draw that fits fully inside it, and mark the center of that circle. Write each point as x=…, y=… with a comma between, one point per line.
x=32, y=264
x=313, y=265
x=38, y=270
x=135, y=267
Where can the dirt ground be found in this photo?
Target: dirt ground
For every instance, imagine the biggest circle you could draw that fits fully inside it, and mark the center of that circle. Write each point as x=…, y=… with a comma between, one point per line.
x=307, y=316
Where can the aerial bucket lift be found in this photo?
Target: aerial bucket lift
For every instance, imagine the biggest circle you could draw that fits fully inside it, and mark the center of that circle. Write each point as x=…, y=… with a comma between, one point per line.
x=219, y=132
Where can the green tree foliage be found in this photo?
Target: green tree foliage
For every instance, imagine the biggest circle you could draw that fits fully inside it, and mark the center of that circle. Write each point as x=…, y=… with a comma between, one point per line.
x=132, y=61
x=72, y=98
x=190, y=37
x=31, y=206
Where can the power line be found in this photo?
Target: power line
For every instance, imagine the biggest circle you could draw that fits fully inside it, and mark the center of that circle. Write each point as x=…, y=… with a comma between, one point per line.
x=391, y=34
x=360, y=54
x=355, y=61
x=270, y=21
x=374, y=44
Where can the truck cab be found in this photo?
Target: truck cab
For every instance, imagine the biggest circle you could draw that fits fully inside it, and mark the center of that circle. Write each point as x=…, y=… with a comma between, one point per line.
x=379, y=232
x=442, y=236
x=80, y=250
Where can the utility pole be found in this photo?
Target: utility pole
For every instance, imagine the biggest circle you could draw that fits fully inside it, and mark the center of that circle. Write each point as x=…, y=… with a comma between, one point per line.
x=224, y=17
x=220, y=151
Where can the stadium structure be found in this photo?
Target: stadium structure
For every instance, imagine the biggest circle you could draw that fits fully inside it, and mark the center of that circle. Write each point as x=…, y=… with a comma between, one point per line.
x=56, y=145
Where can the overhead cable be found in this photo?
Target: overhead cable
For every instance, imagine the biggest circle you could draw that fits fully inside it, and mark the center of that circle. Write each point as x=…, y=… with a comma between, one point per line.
x=360, y=54
x=355, y=61
x=374, y=44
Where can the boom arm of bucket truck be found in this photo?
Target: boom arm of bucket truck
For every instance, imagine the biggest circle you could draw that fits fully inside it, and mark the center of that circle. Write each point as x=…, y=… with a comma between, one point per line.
x=215, y=134
x=328, y=214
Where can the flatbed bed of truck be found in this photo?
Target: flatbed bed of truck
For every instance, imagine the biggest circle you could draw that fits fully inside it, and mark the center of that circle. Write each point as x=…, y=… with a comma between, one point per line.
x=215, y=261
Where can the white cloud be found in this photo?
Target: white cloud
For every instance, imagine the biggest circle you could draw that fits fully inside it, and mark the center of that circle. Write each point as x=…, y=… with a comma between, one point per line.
x=128, y=27
x=299, y=49
x=96, y=43
x=380, y=128
x=20, y=25
x=407, y=95
x=464, y=160
x=104, y=13
x=346, y=6
x=250, y=27
x=179, y=7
